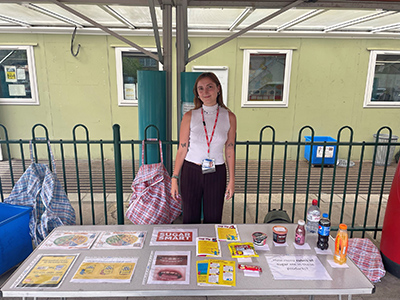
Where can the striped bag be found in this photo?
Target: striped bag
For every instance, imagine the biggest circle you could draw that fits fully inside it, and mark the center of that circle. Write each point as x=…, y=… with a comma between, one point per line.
x=40, y=189
x=151, y=201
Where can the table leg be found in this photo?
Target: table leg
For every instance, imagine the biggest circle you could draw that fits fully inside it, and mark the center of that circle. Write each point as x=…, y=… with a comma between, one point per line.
x=311, y=297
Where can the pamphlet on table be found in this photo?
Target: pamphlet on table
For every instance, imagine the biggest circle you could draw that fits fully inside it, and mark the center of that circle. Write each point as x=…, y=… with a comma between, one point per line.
x=70, y=240
x=120, y=240
x=47, y=271
x=106, y=269
x=173, y=237
x=170, y=267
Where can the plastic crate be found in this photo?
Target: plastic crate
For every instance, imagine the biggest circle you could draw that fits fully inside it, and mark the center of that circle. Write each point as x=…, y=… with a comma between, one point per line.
x=317, y=151
x=15, y=240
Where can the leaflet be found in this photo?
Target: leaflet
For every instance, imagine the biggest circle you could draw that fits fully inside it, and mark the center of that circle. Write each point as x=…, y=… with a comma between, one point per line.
x=227, y=232
x=170, y=267
x=47, y=271
x=173, y=237
x=106, y=269
x=206, y=246
x=221, y=272
x=70, y=240
x=120, y=240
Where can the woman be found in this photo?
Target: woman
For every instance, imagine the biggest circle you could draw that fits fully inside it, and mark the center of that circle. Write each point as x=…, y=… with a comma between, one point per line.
x=204, y=133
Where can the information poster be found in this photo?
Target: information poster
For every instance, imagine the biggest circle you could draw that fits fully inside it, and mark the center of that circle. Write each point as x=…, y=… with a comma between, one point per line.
x=176, y=236
x=120, y=240
x=48, y=271
x=106, y=269
x=170, y=267
x=70, y=240
x=206, y=246
x=297, y=267
x=227, y=232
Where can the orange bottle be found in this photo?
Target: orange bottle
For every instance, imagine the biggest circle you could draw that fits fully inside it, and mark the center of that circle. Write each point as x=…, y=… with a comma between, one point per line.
x=341, y=244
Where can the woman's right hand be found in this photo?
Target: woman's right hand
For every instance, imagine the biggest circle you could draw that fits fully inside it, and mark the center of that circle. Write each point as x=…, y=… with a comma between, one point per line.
x=174, y=188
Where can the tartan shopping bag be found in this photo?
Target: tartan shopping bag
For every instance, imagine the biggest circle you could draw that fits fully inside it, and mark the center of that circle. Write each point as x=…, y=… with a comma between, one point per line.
x=151, y=201
x=367, y=257
x=39, y=188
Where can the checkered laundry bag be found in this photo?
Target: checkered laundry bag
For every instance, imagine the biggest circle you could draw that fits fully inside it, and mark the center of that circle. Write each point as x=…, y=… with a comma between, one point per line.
x=39, y=188
x=151, y=201
x=367, y=257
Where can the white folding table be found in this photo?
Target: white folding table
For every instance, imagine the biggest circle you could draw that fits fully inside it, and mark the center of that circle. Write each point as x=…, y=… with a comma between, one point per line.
x=349, y=281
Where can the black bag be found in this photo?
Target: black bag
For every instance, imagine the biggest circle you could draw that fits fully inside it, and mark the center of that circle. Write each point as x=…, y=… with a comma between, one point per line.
x=277, y=216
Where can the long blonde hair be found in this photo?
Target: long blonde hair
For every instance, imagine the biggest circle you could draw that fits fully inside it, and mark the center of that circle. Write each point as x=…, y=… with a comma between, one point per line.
x=197, y=101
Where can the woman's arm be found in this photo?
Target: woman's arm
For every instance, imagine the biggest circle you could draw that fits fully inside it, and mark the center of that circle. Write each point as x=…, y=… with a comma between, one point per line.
x=182, y=151
x=230, y=155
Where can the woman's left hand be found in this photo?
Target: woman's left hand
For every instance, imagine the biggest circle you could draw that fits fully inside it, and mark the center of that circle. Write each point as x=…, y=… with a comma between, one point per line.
x=230, y=190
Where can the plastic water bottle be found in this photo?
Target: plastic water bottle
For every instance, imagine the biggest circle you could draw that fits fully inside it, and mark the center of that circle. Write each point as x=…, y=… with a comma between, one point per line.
x=341, y=244
x=324, y=228
x=313, y=217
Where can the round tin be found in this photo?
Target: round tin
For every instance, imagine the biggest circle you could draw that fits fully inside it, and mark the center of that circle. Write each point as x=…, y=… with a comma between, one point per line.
x=259, y=238
x=279, y=234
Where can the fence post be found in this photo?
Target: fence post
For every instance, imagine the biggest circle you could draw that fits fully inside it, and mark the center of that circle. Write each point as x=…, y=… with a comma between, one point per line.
x=118, y=173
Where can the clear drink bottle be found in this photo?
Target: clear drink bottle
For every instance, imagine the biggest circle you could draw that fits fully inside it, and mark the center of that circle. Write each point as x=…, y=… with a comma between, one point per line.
x=313, y=217
x=324, y=228
x=300, y=236
x=341, y=244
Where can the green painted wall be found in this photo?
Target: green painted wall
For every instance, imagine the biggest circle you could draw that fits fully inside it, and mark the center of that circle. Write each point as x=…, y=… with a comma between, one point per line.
x=326, y=90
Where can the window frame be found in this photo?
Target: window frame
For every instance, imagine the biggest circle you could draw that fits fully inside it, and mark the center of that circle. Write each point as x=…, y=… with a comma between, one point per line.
x=286, y=81
x=370, y=81
x=120, y=79
x=34, y=100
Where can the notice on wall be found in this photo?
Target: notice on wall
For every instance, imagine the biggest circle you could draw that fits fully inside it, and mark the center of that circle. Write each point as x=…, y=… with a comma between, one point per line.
x=16, y=90
x=11, y=73
x=297, y=267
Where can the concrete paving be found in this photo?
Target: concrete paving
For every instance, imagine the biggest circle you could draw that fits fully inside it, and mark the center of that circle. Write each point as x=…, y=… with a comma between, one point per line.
x=387, y=289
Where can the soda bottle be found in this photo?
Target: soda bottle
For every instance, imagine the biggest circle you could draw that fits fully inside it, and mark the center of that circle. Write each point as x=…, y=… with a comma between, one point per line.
x=323, y=232
x=341, y=243
x=300, y=236
x=313, y=216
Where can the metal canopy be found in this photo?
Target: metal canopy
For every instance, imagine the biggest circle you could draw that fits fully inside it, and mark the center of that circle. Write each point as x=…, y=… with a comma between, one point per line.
x=218, y=17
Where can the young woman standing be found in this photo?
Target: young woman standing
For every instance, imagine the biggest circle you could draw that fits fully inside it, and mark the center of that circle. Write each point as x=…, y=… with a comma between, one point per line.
x=205, y=132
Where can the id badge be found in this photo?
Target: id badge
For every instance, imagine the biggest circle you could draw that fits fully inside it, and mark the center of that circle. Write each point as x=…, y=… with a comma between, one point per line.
x=208, y=165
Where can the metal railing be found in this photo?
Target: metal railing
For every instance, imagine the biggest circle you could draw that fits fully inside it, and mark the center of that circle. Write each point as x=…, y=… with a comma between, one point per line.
x=270, y=174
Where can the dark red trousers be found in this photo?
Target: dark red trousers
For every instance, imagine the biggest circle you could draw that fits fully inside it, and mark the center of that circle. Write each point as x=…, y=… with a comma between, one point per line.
x=195, y=187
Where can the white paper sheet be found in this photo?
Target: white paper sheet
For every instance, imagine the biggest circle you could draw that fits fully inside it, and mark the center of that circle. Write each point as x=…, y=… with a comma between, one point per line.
x=297, y=267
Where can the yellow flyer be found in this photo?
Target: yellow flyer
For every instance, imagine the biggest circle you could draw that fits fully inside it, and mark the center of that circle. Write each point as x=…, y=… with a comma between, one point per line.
x=221, y=272
x=48, y=271
x=106, y=269
x=227, y=232
x=206, y=246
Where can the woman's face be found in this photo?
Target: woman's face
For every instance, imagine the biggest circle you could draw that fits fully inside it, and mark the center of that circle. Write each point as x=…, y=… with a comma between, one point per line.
x=208, y=91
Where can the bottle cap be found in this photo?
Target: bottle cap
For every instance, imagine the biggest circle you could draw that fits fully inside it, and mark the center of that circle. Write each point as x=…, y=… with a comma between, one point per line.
x=301, y=222
x=315, y=202
x=325, y=215
x=343, y=226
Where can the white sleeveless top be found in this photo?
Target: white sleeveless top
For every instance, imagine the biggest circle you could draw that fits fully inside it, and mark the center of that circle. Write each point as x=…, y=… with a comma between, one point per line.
x=197, y=138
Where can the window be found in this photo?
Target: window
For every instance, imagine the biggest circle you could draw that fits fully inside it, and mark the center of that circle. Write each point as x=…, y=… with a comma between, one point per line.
x=17, y=76
x=266, y=78
x=383, y=81
x=128, y=62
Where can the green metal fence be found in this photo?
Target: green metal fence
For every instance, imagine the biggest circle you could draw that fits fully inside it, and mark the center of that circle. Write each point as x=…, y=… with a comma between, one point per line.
x=350, y=184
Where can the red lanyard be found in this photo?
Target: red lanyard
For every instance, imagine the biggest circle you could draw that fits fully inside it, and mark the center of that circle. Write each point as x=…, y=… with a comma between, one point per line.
x=205, y=130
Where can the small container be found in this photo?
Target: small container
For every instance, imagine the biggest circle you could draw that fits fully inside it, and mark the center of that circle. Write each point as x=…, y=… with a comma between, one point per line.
x=259, y=238
x=279, y=234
